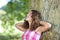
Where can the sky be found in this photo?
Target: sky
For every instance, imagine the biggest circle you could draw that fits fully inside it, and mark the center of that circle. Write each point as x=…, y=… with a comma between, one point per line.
x=3, y=2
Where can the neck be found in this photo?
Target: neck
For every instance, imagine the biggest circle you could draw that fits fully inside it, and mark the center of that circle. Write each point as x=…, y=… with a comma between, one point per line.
x=29, y=25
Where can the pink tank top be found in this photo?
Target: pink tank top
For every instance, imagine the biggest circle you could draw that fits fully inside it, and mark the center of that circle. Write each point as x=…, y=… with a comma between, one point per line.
x=31, y=35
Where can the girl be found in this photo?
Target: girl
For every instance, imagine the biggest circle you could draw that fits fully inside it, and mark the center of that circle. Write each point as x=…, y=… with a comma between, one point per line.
x=33, y=26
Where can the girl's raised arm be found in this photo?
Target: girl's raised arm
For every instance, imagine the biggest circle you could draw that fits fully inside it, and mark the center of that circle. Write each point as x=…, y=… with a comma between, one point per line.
x=20, y=26
x=43, y=28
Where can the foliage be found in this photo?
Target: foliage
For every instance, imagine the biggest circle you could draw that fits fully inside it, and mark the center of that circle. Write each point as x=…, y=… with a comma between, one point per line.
x=16, y=10
x=9, y=37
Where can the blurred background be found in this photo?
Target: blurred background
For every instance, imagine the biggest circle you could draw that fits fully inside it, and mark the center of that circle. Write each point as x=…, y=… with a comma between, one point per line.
x=12, y=12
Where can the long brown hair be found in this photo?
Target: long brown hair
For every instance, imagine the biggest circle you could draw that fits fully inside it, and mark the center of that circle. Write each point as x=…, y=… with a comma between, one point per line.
x=36, y=16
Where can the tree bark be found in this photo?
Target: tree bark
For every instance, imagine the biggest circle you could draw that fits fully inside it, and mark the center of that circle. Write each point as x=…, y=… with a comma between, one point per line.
x=50, y=11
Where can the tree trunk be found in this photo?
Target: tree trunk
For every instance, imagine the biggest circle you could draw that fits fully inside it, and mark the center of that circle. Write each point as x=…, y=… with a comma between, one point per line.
x=50, y=10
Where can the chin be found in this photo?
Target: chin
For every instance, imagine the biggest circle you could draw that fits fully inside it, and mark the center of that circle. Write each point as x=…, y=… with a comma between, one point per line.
x=25, y=20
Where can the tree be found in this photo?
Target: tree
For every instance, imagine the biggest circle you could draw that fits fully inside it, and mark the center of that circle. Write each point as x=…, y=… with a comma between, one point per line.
x=50, y=10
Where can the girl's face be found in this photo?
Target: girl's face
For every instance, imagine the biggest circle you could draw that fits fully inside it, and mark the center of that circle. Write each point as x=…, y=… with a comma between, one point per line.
x=28, y=18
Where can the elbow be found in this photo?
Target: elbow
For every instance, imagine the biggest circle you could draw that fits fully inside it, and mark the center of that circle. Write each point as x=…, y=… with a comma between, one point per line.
x=16, y=25
x=49, y=25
